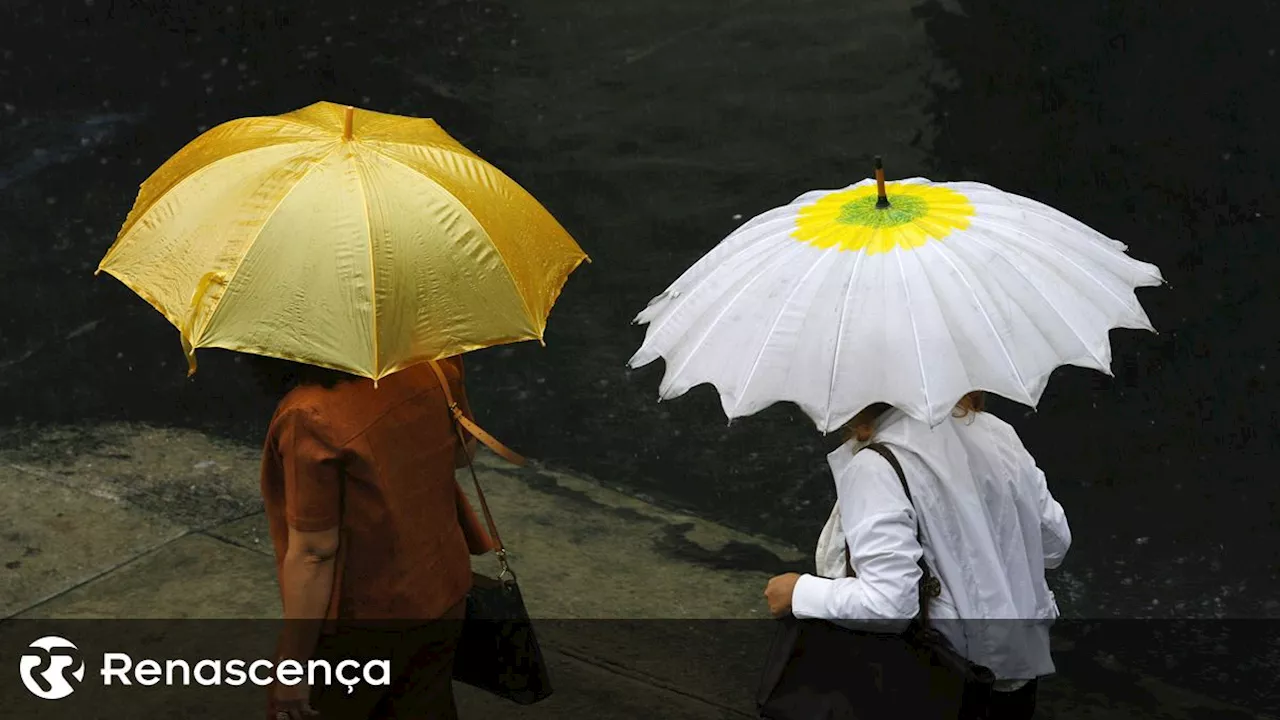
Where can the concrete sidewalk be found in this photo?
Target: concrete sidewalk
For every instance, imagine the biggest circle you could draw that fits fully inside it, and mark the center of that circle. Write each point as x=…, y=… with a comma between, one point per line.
x=138, y=522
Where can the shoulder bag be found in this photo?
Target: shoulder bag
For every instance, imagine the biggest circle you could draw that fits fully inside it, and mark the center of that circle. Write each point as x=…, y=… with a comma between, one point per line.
x=498, y=651
x=818, y=670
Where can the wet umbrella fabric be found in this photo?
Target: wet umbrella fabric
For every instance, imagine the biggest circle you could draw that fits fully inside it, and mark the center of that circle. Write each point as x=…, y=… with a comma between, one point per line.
x=848, y=297
x=349, y=239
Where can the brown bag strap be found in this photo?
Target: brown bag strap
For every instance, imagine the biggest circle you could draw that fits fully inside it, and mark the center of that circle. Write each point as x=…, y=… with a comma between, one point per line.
x=474, y=430
x=930, y=587
x=461, y=423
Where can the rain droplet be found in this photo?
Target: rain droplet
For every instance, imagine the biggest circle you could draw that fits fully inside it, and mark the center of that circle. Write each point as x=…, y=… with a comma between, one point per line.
x=737, y=216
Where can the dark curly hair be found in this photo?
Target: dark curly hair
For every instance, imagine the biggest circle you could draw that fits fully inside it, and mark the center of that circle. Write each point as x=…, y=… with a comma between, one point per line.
x=863, y=425
x=277, y=377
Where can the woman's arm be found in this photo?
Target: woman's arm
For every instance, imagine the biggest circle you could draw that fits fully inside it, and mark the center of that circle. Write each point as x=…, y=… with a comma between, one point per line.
x=312, y=476
x=306, y=584
x=881, y=534
x=1055, y=533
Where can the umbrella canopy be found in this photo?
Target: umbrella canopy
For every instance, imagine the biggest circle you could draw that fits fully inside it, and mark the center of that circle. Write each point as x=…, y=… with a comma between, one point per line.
x=348, y=239
x=912, y=293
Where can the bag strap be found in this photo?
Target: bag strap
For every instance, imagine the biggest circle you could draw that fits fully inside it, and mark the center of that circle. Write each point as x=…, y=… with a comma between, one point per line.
x=930, y=587
x=474, y=430
x=460, y=423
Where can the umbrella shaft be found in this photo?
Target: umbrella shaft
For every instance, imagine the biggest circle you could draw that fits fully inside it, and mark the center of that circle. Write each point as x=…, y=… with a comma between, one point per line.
x=882, y=201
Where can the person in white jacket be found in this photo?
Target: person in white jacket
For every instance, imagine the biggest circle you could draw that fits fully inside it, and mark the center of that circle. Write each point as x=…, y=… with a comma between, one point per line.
x=989, y=528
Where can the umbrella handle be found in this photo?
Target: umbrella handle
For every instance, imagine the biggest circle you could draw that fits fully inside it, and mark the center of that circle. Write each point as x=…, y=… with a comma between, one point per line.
x=347, y=122
x=882, y=201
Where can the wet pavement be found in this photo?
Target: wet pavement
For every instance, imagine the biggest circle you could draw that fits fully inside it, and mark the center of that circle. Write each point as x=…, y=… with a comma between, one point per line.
x=177, y=553
x=651, y=131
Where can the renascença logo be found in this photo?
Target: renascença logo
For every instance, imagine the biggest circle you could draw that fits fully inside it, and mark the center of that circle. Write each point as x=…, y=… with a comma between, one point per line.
x=45, y=670
x=46, y=666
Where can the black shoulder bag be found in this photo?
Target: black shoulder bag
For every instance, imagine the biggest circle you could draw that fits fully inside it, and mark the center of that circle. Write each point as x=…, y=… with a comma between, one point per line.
x=498, y=651
x=817, y=670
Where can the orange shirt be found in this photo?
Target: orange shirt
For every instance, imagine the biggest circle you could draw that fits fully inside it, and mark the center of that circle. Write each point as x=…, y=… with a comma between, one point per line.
x=380, y=463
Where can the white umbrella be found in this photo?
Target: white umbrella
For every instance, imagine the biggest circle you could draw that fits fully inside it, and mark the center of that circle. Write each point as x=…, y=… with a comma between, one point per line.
x=912, y=293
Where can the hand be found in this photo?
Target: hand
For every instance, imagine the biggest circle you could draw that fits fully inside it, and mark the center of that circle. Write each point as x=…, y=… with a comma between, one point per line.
x=291, y=702
x=779, y=591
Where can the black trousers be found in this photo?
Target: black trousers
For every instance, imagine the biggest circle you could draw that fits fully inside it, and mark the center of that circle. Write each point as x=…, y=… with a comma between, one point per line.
x=1017, y=705
x=421, y=673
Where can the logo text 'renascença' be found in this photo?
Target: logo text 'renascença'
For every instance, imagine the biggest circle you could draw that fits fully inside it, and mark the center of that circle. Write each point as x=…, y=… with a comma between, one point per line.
x=121, y=668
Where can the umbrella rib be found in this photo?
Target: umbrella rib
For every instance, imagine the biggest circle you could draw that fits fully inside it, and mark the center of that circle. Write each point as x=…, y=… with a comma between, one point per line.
x=524, y=301
x=373, y=270
x=772, y=328
x=1004, y=348
x=835, y=358
x=257, y=233
x=915, y=333
x=712, y=325
x=1033, y=207
x=455, y=149
x=1052, y=306
x=131, y=222
x=687, y=295
x=1073, y=263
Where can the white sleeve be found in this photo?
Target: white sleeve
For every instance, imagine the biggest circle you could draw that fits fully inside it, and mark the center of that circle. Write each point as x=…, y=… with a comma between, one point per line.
x=881, y=532
x=1055, y=533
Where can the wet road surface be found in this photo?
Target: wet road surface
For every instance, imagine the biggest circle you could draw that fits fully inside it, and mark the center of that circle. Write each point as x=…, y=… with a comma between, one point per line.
x=651, y=132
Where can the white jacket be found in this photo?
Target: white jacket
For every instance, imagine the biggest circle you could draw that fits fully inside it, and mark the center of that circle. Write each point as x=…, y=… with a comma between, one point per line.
x=990, y=528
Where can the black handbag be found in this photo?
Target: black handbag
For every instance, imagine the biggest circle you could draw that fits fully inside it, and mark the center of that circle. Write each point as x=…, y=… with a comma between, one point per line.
x=817, y=670
x=498, y=651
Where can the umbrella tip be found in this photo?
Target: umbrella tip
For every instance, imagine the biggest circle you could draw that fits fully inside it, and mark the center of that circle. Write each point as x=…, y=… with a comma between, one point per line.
x=882, y=198
x=347, y=122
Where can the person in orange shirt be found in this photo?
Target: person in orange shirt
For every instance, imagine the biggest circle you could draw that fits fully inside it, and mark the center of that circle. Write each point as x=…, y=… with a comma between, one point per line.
x=371, y=532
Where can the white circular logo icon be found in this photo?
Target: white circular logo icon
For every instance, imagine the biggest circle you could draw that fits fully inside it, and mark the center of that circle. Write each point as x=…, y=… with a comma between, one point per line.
x=46, y=667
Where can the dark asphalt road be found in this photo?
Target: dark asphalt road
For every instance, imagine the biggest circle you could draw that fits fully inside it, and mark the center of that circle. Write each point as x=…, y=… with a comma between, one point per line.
x=646, y=130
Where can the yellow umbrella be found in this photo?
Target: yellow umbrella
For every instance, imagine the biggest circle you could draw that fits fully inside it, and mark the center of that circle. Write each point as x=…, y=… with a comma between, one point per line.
x=348, y=239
